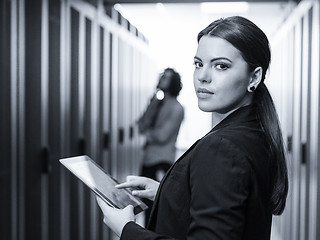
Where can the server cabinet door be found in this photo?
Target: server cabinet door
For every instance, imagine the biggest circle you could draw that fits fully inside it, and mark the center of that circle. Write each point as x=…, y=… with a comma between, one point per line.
x=55, y=140
x=35, y=121
x=305, y=125
x=8, y=120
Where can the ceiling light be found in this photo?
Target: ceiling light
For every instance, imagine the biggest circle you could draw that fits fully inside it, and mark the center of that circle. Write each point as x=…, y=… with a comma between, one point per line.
x=224, y=7
x=160, y=7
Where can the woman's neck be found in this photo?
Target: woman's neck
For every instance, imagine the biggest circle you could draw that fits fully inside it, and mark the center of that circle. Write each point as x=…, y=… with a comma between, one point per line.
x=218, y=117
x=167, y=96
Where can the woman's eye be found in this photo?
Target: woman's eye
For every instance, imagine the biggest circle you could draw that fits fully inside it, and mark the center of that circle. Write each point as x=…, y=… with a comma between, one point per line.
x=222, y=66
x=198, y=64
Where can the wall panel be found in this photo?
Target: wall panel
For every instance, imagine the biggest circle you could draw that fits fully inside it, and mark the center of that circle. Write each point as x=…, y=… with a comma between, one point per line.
x=76, y=144
x=314, y=226
x=87, y=124
x=59, y=98
x=54, y=122
x=299, y=58
x=34, y=117
x=7, y=162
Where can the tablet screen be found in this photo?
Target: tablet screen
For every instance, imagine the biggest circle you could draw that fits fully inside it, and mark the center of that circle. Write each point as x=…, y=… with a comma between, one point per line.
x=102, y=183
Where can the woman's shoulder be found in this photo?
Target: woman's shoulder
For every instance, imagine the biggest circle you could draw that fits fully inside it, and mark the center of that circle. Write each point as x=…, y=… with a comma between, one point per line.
x=220, y=140
x=217, y=154
x=236, y=132
x=240, y=132
x=237, y=143
x=175, y=105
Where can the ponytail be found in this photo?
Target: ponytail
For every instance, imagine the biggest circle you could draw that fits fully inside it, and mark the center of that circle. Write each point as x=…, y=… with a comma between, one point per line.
x=253, y=44
x=270, y=123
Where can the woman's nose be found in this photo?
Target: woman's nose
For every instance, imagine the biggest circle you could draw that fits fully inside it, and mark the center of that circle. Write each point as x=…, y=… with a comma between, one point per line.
x=204, y=75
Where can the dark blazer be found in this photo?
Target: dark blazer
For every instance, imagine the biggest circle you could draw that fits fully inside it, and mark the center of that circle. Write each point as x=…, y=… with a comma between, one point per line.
x=219, y=189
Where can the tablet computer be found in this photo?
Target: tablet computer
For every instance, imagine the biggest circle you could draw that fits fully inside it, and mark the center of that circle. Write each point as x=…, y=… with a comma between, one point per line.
x=101, y=183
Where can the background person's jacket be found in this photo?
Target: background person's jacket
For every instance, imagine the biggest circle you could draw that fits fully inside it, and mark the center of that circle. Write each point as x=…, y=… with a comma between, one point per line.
x=161, y=137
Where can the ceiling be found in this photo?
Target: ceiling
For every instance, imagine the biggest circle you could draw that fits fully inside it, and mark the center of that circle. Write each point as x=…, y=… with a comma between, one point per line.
x=171, y=28
x=112, y=2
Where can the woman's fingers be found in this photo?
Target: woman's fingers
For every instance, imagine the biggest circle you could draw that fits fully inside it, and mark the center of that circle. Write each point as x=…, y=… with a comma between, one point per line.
x=133, y=181
x=102, y=204
x=143, y=193
x=129, y=185
x=128, y=209
x=115, y=218
x=132, y=178
x=142, y=186
x=124, y=185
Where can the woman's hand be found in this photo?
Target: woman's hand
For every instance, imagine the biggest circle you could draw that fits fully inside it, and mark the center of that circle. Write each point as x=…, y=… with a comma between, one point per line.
x=143, y=187
x=115, y=218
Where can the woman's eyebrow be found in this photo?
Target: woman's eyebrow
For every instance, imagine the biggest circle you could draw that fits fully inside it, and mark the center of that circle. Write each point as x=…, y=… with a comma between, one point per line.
x=220, y=58
x=214, y=59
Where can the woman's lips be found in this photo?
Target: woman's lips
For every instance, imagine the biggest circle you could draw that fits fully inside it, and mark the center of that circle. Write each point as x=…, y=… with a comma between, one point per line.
x=203, y=92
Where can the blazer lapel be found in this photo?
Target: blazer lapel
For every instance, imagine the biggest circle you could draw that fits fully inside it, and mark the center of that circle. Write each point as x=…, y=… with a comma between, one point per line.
x=155, y=203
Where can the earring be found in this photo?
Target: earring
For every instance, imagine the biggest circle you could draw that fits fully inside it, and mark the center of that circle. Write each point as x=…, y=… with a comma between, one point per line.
x=251, y=89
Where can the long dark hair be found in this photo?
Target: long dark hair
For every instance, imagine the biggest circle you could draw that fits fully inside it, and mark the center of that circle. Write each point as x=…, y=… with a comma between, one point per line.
x=253, y=44
x=175, y=85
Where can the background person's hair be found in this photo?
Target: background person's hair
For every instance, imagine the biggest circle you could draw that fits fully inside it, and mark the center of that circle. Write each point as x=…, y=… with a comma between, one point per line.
x=175, y=82
x=253, y=44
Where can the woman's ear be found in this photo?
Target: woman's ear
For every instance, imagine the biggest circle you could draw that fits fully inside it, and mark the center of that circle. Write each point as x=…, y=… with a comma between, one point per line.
x=255, y=79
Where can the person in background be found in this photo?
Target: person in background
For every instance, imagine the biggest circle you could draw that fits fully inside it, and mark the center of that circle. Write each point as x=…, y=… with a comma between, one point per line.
x=231, y=181
x=160, y=124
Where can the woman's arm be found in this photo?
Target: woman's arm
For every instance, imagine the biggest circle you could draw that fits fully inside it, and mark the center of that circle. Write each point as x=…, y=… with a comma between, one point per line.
x=219, y=185
x=220, y=177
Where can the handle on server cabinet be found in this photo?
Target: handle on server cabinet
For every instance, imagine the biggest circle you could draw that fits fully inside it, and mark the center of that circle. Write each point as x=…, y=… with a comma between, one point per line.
x=289, y=144
x=82, y=146
x=45, y=156
x=304, y=153
x=121, y=135
x=131, y=132
x=106, y=140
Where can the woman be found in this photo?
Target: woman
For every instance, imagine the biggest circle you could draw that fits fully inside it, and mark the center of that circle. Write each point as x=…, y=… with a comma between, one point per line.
x=160, y=124
x=231, y=181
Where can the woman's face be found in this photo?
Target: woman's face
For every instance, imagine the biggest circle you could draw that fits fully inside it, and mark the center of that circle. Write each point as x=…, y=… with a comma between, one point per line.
x=221, y=76
x=164, y=81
